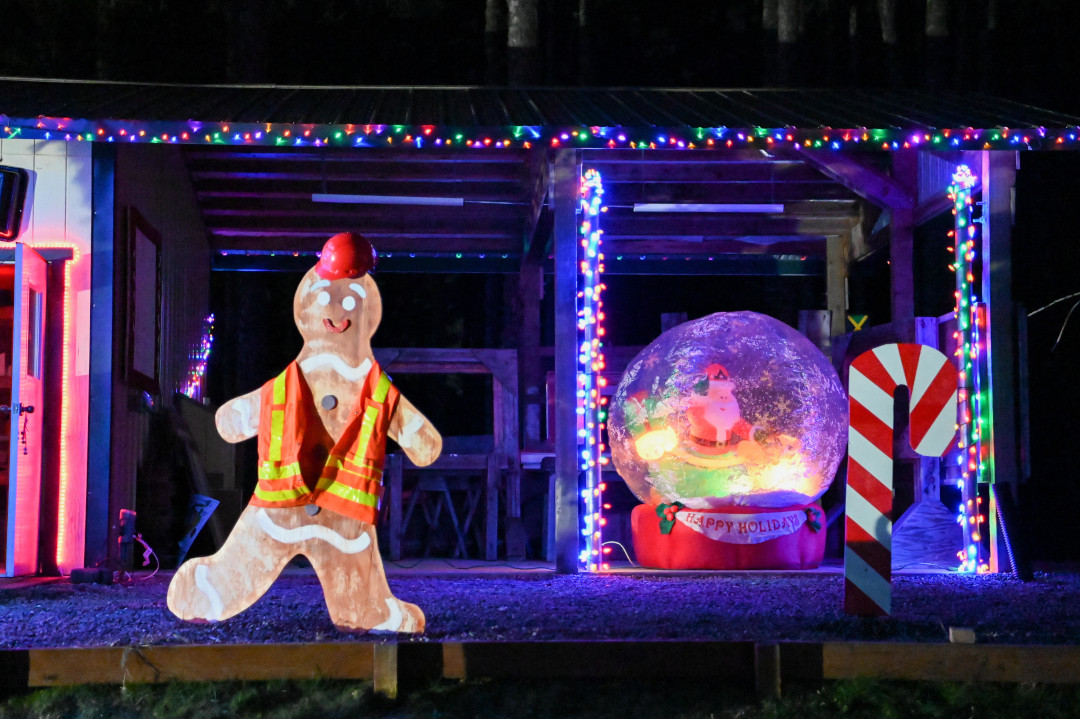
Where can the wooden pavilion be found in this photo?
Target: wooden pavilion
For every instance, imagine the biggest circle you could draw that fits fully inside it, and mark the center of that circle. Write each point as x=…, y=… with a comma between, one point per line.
x=762, y=183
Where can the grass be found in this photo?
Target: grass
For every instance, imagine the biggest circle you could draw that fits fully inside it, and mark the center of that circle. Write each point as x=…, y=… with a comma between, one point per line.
x=329, y=699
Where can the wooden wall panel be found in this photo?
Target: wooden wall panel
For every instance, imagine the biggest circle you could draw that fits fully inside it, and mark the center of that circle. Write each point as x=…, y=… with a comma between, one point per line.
x=154, y=181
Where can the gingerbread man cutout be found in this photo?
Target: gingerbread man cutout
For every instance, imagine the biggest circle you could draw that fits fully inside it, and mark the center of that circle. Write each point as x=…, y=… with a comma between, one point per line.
x=322, y=426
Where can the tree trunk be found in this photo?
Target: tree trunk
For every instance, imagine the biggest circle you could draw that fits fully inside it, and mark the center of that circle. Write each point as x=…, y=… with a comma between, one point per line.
x=937, y=44
x=769, y=40
x=989, y=48
x=891, y=43
x=246, y=60
x=103, y=64
x=854, y=55
x=787, y=35
x=584, y=64
x=523, y=50
x=494, y=47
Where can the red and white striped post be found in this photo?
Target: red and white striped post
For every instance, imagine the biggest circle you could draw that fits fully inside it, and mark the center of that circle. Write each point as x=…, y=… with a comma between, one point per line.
x=872, y=380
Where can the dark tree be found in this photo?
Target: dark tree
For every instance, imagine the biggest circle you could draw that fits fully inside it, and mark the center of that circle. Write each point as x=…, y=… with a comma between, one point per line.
x=523, y=36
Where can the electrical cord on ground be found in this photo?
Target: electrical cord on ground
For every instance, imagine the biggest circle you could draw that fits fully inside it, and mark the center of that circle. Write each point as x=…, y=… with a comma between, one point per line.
x=935, y=565
x=147, y=553
x=484, y=565
x=632, y=564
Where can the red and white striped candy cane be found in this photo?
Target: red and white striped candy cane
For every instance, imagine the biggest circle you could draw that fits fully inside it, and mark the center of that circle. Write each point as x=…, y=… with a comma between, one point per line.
x=872, y=379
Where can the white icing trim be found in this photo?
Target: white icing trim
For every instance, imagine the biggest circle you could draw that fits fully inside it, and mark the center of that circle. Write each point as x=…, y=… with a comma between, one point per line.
x=408, y=432
x=312, y=531
x=337, y=364
x=394, y=622
x=202, y=581
x=317, y=285
x=358, y=289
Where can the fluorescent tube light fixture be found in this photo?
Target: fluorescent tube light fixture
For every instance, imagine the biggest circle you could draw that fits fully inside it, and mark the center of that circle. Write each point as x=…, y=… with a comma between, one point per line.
x=387, y=200
x=706, y=207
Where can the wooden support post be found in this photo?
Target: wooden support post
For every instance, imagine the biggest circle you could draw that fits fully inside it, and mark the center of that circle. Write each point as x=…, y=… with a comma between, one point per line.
x=838, y=259
x=386, y=670
x=105, y=259
x=531, y=371
x=505, y=415
x=394, y=478
x=767, y=670
x=506, y=435
x=902, y=246
x=402, y=668
x=567, y=532
x=491, y=523
x=998, y=179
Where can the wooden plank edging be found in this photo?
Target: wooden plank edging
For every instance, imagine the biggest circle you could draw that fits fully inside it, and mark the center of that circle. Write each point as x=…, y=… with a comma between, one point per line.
x=952, y=662
x=220, y=662
x=395, y=667
x=597, y=659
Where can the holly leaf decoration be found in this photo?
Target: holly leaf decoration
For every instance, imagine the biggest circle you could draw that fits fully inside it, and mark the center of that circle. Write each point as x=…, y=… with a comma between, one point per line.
x=812, y=517
x=666, y=513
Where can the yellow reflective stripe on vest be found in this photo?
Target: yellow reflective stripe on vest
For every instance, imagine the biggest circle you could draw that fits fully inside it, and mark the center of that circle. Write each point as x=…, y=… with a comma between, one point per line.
x=372, y=413
x=352, y=495
x=271, y=471
x=277, y=419
x=381, y=389
x=367, y=473
x=344, y=464
x=280, y=495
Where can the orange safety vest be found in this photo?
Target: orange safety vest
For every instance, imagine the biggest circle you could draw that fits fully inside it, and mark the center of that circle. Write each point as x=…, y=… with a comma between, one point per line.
x=350, y=481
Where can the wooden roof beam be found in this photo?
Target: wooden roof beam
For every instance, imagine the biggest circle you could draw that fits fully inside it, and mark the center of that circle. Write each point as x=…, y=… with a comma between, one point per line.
x=384, y=243
x=823, y=189
x=416, y=224
x=297, y=194
x=618, y=225
x=860, y=178
x=710, y=248
x=397, y=172
x=537, y=234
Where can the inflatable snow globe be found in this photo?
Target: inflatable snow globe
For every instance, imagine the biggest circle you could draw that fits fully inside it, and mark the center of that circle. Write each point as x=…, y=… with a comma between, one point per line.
x=729, y=428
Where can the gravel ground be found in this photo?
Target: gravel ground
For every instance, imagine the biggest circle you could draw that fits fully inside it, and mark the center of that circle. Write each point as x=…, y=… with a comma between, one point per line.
x=541, y=607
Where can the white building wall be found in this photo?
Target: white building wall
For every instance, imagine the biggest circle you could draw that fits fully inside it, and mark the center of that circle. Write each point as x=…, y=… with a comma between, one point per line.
x=60, y=214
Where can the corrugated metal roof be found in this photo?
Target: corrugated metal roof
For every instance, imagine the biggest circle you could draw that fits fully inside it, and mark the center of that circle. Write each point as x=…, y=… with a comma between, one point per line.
x=602, y=116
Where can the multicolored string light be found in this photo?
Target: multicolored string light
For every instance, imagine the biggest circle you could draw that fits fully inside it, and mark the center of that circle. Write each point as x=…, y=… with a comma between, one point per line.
x=528, y=136
x=970, y=354
x=199, y=355
x=591, y=412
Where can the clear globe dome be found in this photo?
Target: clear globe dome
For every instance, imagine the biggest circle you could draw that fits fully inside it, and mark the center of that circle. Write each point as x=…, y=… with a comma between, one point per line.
x=735, y=408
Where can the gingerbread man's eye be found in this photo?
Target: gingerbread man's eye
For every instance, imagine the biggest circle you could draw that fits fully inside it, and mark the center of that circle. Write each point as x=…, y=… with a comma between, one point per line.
x=349, y=303
x=323, y=298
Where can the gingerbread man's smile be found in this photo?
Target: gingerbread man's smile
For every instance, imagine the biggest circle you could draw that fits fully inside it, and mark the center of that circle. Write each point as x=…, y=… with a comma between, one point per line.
x=331, y=327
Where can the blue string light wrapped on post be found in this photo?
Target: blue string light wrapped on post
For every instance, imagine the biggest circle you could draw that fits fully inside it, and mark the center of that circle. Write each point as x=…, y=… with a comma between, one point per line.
x=591, y=414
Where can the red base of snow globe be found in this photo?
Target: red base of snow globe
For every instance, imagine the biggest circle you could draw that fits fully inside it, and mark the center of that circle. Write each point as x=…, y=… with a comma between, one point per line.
x=733, y=537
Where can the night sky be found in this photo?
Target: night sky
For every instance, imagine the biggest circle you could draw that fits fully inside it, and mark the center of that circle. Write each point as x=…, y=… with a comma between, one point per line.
x=1026, y=51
